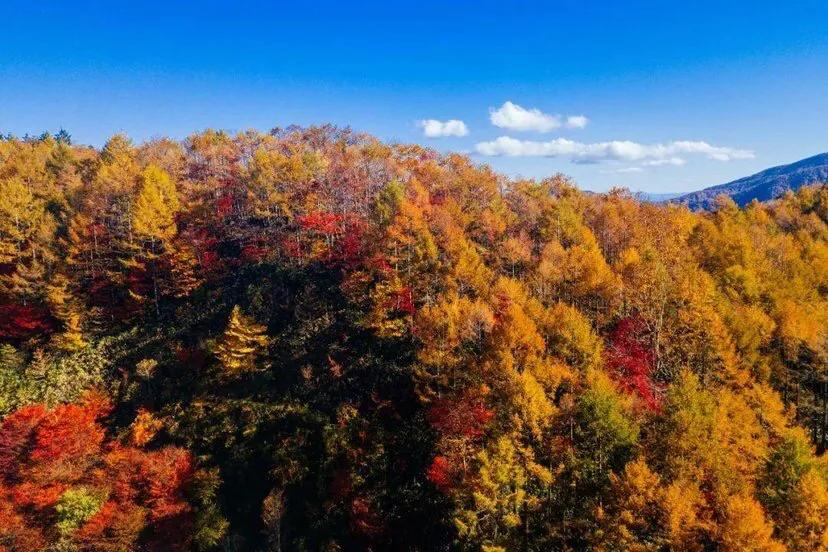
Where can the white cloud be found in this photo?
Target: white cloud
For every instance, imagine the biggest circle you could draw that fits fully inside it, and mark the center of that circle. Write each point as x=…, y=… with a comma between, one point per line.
x=515, y=117
x=617, y=150
x=675, y=161
x=433, y=128
x=624, y=170
x=576, y=121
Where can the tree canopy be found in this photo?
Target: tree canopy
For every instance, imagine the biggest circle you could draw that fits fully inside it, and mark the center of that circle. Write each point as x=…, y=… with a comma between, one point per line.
x=308, y=339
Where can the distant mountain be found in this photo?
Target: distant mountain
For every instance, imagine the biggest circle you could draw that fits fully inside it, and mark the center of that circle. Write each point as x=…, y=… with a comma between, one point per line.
x=764, y=185
x=657, y=198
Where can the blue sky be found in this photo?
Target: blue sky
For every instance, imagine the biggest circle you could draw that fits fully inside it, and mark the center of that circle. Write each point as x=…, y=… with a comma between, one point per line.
x=678, y=95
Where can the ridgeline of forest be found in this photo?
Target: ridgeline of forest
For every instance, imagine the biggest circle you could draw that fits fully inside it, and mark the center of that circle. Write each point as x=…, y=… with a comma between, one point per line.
x=311, y=340
x=764, y=185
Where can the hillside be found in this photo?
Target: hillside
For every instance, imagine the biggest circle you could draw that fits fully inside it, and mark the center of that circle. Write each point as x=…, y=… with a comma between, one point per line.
x=308, y=339
x=764, y=185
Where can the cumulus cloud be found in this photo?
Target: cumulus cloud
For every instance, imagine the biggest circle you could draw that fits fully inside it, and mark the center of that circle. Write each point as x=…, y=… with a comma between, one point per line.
x=616, y=150
x=432, y=128
x=576, y=121
x=514, y=117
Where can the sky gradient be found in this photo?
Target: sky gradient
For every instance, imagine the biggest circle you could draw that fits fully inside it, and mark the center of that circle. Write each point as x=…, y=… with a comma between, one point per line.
x=653, y=80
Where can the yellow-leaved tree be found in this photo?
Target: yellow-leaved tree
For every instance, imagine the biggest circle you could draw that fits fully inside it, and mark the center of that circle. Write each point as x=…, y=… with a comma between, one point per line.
x=153, y=224
x=26, y=230
x=66, y=308
x=241, y=344
x=155, y=208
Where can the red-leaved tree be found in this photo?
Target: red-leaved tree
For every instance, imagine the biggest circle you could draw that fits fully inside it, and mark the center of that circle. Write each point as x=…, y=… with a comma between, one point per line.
x=461, y=423
x=62, y=480
x=631, y=361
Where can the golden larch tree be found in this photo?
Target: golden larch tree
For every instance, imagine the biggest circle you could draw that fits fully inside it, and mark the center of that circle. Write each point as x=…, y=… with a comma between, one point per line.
x=241, y=343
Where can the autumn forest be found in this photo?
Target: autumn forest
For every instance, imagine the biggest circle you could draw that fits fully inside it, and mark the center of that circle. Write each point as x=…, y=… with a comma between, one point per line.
x=308, y=339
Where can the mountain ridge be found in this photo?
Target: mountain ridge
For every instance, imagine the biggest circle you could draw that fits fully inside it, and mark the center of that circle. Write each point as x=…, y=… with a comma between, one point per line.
x=764, y=185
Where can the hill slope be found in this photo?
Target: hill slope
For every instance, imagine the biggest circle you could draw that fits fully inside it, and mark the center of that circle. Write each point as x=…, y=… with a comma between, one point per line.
x=307, y=339
x=763, y=185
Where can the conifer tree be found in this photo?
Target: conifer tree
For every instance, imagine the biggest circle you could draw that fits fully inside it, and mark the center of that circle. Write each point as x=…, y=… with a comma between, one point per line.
x=153, y=222
x=182, y=267
x=153, y=215
x=16, y=220
x=65, y=308
x=26, y=230
x=241, y=343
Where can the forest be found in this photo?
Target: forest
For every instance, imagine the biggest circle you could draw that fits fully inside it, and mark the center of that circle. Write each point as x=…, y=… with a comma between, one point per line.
x=308, y=339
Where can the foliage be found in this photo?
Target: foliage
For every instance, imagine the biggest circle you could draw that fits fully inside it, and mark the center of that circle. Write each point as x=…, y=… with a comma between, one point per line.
x=75, y=507
x=240, y=343
x=103, y=494
x=307, y=339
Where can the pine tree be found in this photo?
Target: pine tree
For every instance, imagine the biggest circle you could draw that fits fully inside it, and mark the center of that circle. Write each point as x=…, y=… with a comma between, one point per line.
x=241, y=343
